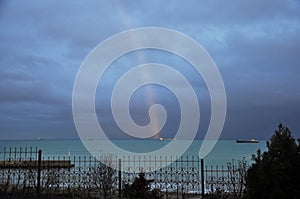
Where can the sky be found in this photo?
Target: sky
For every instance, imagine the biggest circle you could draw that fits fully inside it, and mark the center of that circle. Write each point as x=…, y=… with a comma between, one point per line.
x=255, y=45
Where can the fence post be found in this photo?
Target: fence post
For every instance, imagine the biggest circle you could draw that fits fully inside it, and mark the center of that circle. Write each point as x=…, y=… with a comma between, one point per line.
x=39, y=172
x=120, y=178
x=202, y=178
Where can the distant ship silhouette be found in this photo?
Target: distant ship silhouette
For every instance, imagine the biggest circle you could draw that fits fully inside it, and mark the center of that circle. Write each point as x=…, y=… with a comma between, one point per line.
x=247, y=141
x=161, y=139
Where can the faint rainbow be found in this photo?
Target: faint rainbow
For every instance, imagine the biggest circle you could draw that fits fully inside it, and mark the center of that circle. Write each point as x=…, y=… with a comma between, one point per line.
x=127, y=21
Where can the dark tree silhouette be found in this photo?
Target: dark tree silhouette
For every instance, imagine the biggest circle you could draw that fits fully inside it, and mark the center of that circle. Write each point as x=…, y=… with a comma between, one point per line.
x=140, y=189
x=275, y=173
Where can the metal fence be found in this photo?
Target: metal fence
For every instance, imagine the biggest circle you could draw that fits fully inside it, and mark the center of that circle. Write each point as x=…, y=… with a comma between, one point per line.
x=25, y=169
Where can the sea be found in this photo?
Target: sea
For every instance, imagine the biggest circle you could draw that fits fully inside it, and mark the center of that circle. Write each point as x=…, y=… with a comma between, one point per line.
x=224, y=151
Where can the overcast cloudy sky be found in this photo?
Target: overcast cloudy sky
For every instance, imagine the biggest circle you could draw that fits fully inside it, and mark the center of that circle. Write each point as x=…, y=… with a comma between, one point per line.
x=255, y=44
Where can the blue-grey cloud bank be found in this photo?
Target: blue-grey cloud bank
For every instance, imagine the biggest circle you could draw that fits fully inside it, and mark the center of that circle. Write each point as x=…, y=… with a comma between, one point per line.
x=255, y=44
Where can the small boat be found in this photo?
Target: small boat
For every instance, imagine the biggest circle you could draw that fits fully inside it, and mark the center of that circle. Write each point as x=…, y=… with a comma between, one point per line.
x=247, y=141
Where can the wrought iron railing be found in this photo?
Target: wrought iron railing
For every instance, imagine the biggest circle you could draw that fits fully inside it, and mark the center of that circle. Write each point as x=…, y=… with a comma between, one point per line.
x=21, y=169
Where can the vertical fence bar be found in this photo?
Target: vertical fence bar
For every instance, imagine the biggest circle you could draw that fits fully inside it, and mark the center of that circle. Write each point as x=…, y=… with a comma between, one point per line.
x=120, y=178
x=217, y=177
x=199, y=172
x=9, y=154
x=202, y=178
x=4, y=155
x=25, y=153
x=30, y=153
x=20, y=158
x=15, y=158
x=177, y=176
x=39, y=172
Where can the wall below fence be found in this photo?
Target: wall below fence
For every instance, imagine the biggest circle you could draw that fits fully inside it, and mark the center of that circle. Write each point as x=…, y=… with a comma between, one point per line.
x=21, y=169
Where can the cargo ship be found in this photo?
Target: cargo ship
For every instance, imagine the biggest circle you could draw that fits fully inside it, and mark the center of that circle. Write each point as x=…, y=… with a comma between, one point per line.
x=247, y=141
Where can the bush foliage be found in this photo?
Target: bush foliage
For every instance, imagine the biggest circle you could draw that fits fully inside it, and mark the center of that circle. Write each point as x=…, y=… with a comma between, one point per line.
x=140, y=189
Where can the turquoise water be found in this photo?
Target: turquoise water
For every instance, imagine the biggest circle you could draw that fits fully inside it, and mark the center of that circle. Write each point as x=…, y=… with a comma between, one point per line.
x=224, y=151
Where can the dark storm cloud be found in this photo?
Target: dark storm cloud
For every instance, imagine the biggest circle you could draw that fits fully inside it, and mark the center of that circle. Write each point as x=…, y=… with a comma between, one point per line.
x=255, y=44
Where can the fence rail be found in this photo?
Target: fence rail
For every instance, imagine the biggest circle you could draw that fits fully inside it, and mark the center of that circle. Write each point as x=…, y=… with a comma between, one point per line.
x=26, y=169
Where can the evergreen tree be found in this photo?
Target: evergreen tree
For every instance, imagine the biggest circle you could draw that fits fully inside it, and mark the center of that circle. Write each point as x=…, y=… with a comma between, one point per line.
x=275, y=173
